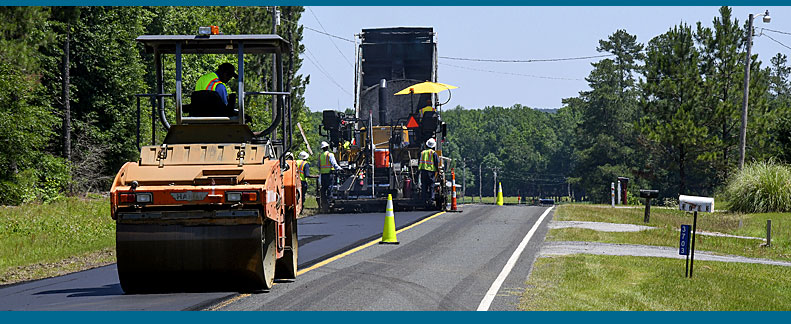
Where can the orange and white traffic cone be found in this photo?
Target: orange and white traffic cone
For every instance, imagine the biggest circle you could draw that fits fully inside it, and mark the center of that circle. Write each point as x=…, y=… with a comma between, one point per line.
x=453, y=189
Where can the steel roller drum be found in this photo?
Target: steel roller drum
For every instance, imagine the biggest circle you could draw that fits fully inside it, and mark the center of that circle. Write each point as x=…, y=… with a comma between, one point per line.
x=177, y=257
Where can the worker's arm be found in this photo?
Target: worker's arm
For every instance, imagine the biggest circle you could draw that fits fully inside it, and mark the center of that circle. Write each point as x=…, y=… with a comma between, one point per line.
x=223, y=93
x=306, y=170
x=333, y=163
x=436, y=160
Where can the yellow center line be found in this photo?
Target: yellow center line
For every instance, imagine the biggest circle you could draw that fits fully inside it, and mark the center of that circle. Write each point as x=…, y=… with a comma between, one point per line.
x=327, y=261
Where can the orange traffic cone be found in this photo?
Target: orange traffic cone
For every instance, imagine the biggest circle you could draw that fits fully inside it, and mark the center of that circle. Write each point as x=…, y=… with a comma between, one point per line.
x=453, y=189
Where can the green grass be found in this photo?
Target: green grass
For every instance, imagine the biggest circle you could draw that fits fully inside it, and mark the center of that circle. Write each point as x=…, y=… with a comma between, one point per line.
x=616, y=283
x=668, y=222
x=47, y=233
x=761, y=187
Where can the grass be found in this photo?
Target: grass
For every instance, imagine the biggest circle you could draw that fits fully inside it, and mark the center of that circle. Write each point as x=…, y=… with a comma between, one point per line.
x=761, y=187
x=48, y=233
x=668, y=222
x=617, y=283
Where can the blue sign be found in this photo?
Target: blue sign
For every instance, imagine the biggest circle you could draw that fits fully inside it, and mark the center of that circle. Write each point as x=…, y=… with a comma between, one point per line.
x=683, y=245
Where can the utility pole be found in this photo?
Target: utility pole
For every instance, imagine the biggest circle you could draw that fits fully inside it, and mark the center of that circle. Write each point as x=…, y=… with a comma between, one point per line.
x=743, y=129
x=495, y=181
x=480, y=184
x=463, y=179
x=275, y=22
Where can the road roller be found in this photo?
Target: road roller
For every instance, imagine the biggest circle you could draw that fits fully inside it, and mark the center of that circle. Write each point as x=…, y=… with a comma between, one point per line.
x=213, y=206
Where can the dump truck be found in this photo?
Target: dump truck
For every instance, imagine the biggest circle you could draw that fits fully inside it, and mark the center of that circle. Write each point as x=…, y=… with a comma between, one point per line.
x=378, y=148
x=214, y=205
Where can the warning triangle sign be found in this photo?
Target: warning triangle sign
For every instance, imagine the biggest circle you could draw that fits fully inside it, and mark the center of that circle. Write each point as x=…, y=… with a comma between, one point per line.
x=412, y=123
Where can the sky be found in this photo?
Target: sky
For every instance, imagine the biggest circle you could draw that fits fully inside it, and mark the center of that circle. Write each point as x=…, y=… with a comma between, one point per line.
x=515, y=33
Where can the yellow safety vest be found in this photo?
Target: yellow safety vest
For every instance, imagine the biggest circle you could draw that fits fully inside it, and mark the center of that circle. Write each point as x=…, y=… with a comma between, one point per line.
x=208, y=81
x=301, y=170
x=425, y=109
x=324, y=162
x=427, y=161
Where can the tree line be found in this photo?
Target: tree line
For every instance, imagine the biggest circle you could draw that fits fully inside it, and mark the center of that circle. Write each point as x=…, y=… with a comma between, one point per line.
x=67, y=106
x=666, y=114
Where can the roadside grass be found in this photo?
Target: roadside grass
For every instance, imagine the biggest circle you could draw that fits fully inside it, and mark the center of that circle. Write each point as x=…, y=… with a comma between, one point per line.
x=620, y=283
x=668, y=222
x=48, y=233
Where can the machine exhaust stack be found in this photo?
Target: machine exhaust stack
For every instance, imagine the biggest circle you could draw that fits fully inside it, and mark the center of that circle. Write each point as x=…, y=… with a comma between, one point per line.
x=383, y=102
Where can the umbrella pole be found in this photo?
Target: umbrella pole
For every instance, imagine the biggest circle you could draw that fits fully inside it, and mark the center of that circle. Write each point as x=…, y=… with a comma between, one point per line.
x=411, y=104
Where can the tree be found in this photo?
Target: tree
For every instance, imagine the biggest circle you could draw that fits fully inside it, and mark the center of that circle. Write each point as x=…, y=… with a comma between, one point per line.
x=721, y=64
x=673, y=126
x=604, y=149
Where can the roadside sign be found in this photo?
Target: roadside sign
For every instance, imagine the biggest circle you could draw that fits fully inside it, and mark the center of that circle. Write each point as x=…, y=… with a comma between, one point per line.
x=683, y=245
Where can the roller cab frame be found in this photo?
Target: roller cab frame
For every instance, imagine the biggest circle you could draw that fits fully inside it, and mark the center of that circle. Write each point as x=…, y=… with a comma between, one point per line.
x=214, y=205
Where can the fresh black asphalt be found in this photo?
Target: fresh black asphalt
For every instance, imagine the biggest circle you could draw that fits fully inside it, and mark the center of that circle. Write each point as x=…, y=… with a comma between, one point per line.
x=448, y=262
x=320, y=236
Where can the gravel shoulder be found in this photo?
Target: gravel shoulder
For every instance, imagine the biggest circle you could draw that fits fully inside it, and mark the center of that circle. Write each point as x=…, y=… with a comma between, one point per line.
x=576, y=247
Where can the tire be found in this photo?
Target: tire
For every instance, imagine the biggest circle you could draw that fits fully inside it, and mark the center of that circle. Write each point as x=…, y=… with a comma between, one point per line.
x=286, y=267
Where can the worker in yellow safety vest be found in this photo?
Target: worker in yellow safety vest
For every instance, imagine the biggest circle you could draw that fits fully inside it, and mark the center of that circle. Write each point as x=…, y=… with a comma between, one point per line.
x=303, y=170
x=428, y=166
x=327, y=164
x=427, y=108
x=215, y=81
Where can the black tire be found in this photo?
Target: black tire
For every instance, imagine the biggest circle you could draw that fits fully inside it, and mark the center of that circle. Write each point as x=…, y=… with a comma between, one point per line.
x=286, y=267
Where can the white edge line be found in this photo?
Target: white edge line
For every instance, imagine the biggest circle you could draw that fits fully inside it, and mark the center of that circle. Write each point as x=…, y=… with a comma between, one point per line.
x=489, y=297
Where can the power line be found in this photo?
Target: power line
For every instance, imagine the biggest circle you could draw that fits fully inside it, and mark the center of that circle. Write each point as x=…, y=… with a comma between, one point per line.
x=315, y=62
x=333, y=43
x=776, y=41
x=512, y=73
x=321, y=32
x=776, y=31
x=525, y=61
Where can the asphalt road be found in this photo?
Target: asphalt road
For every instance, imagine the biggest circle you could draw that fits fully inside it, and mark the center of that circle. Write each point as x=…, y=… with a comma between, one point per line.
x=320, y=236
x=448, y=262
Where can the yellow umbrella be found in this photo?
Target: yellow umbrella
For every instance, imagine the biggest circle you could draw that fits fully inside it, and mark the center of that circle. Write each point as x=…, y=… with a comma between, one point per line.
x=426, y=87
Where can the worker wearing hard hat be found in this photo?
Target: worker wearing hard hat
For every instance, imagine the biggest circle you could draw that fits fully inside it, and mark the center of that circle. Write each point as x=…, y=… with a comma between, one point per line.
x=303, y=169
x=327, y=164
x=215, y=81
x=428, y=166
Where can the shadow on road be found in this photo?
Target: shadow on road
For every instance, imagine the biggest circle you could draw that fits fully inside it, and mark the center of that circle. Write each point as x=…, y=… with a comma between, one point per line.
x=106, y=290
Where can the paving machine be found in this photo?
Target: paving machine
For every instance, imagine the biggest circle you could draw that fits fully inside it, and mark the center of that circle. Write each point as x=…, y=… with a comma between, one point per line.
x=214, y=205
x=378, y=148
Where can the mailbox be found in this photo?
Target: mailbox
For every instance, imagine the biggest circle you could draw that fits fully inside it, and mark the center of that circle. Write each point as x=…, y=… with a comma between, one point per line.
x=695, y=203
x=644, y=193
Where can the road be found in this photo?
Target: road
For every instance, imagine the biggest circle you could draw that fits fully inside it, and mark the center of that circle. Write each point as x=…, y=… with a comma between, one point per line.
x=320, y=236
x=448, y=262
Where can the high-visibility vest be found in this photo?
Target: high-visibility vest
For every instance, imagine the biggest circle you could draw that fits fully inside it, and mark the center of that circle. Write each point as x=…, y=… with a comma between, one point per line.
x=208, y=81
x=324, y=162
x=301, y=169
x=425, y=109
x=427, y=161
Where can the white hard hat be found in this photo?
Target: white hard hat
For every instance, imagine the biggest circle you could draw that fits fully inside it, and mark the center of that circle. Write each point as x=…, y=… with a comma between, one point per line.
x=324, y=144
x=303, y=155
x=431, y=143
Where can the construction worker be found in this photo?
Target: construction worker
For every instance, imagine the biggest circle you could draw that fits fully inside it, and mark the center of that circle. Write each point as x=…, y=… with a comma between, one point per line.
x=215, y=81
x=303, y=169
x=428, y=166
x=327, y=164
x=427, y=108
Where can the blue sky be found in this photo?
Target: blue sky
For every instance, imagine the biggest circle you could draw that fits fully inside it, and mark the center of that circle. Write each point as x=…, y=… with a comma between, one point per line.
x=504, y=33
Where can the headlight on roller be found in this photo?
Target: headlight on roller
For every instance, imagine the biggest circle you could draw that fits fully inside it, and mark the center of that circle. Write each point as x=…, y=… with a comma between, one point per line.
x=233, y=196
x=144, y=197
